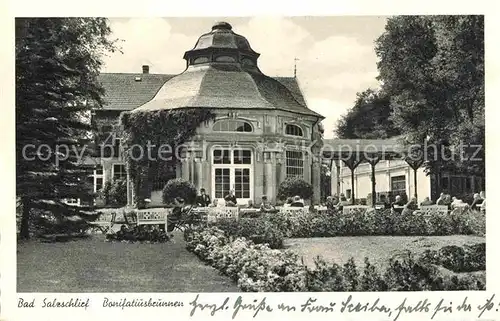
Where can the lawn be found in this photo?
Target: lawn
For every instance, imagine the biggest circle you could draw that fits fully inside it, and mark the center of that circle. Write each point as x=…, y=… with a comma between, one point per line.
x=93, y=265
x=379, y=249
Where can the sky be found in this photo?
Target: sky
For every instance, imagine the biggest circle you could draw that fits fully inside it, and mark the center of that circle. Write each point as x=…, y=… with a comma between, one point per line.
x=336, y=57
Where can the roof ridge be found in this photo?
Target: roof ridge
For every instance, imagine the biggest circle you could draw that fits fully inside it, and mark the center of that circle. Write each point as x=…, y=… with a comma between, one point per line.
x=162, y=74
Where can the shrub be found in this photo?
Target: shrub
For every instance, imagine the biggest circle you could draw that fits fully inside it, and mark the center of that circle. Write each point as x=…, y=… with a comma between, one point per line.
x=142, y=233
x=260, y=231
x=179, y=188
x=115, y=193
x=371, y=280
x=325, y=277
x=469, y=258
x=409, y=274
x=295, y=186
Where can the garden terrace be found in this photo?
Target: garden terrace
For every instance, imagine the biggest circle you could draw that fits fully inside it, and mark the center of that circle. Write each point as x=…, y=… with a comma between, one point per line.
x=356, y=151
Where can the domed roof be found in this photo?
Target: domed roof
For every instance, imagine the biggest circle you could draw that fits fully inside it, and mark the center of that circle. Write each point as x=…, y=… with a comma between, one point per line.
x=222, y=36
x=232, y=82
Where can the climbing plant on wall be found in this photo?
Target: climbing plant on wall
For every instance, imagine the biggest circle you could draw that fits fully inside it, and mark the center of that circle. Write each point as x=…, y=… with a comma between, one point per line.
x=150, y=139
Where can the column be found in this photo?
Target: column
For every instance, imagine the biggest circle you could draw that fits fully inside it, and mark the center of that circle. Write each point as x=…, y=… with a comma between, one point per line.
x=316, y=180
x=198, y=166
x=373, y=163
x=129, y=187
x=338, y=172
x=333, y=178
x=268, y=177
x=185, y=168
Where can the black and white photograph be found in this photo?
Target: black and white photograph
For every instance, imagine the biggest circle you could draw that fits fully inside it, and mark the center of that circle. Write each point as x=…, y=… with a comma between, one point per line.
x=232, y=154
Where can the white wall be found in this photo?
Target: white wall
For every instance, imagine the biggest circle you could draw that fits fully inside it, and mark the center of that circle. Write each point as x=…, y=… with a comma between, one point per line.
x=384, y=170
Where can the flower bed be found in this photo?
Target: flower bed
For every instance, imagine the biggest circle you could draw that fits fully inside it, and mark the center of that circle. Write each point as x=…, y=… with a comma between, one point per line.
x=257, y=267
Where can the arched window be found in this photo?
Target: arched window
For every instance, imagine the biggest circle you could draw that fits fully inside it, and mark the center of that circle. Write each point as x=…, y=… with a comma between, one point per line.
x=232, y=126
x=247, y=62
x=294, y=130
x=225, y=59
x=200, y=60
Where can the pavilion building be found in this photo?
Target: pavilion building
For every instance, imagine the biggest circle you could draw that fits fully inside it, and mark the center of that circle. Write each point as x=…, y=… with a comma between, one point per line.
x=262, y=132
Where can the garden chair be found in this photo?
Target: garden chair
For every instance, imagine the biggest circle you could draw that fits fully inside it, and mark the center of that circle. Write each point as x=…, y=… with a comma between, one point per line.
x=215, y=213
x=190, y=218
x=152, y=216
x=353, y=209
x=293, y=211
x=104, y=221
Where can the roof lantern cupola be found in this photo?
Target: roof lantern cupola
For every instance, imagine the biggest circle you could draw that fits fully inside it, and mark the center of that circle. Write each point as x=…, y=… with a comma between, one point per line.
x=222, y=46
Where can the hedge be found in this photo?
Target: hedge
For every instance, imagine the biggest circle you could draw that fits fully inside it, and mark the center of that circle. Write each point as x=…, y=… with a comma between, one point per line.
x=371, y=222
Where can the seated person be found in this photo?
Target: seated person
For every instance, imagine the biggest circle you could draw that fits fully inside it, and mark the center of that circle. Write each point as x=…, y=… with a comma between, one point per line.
x=412, y=204
x=483, y=204
x=214, y=203
x=426, y=202
x=203, y=200
x=398, y=205
x=297, y=202
x=385, y=201
x=231, y=199
x=441, y=200
x=476, y=202
x=221, y=203
x=447, y=201
x=288, y=202
x=343, y=202
x=266, y=207
x=330, y=203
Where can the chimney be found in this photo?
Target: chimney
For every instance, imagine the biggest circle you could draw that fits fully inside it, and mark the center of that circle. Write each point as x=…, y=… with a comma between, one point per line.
x=145, y=69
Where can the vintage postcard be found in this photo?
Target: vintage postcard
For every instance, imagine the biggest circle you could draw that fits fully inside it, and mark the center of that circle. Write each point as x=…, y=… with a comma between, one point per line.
x=328, y=165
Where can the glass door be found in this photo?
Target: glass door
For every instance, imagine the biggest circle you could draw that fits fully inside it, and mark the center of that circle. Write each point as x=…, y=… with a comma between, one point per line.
x=232, y=170
x=222, y=182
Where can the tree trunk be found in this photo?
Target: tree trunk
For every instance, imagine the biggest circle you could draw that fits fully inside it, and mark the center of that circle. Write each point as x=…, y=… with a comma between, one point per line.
x=24, y=232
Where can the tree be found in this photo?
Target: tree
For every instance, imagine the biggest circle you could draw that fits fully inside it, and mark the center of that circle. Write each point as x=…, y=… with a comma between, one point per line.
x=57, y=63
x=432, y=67
x=368, y=118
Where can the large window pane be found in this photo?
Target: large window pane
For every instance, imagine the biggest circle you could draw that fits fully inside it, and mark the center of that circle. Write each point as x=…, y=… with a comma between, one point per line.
x=221, y=156
x=294, y=164
x=242, y=157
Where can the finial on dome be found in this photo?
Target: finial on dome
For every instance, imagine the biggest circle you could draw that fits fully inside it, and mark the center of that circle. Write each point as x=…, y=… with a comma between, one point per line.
x=222, y=25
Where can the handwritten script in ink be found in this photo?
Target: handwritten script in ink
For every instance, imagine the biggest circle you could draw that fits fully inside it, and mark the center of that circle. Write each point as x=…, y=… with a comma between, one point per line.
x=425, y=308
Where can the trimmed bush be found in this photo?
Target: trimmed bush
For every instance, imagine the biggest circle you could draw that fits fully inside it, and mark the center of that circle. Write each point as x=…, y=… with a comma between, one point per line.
x=371, y=222
x=115, y=193
x=295, y=186
x=179, y=188
x=142, y=233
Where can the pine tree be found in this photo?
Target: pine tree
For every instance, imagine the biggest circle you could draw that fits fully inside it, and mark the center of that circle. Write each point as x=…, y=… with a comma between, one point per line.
x=57, y=63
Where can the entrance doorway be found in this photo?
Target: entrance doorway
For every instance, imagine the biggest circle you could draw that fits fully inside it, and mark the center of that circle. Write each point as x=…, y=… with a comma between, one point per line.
x=232, y=169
